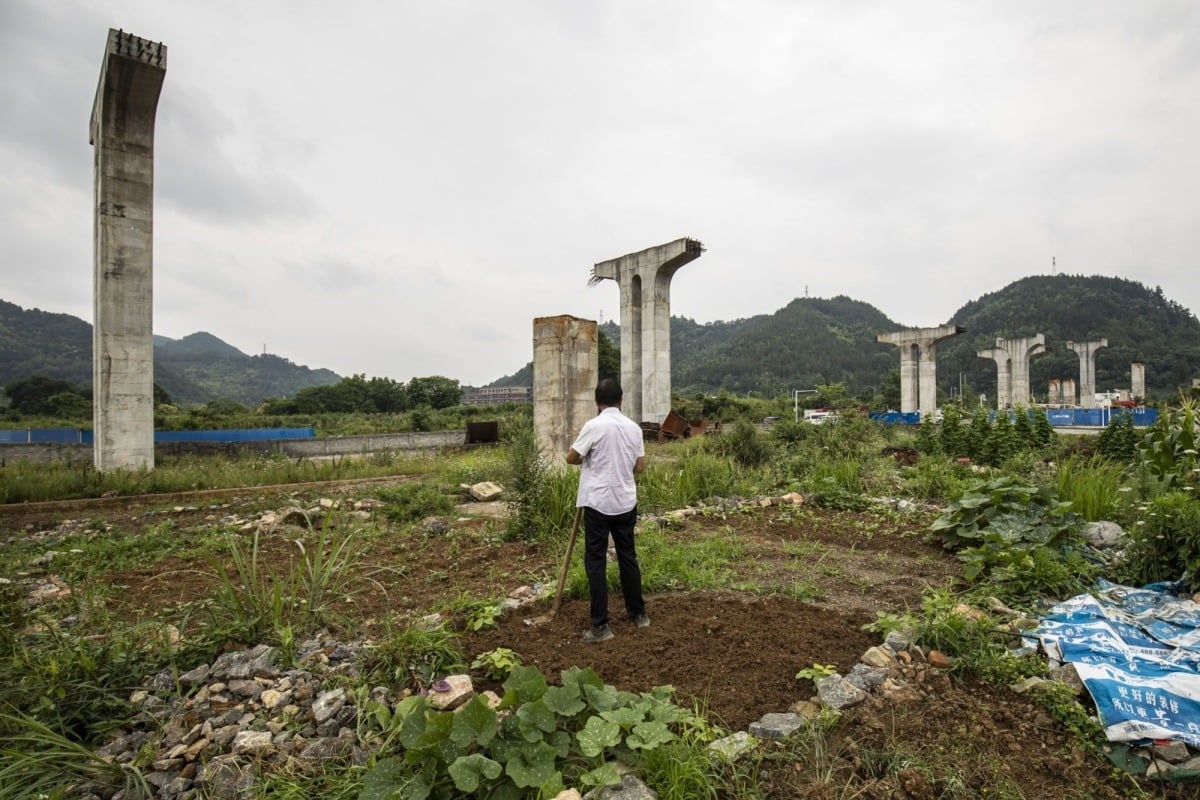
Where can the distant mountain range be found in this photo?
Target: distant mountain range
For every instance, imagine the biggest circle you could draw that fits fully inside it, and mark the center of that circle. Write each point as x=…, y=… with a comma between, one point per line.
x=195, y=369
x=809, y=341
x=812, y=341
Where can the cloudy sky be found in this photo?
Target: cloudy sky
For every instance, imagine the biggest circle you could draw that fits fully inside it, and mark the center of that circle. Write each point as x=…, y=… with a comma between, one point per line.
x=399, y=188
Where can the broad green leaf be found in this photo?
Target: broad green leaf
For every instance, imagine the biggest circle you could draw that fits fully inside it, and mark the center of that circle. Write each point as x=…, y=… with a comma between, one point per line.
x=532, y=765
x=604, y=775
x=467, y=771
x=577, y=677
x=527, y=682
x=597, y=735
x=602, y=698
x=385, y=780
x=412, y=727
x=626, y=717
x=648, y=735
x=535, y=717
x=561, y=742
x=474, y=722
x=564, y=700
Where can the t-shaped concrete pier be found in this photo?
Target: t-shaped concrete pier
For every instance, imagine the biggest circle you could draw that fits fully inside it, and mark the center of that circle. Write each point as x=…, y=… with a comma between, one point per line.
x=122, y=132
x=644, y=279
x=1012, y=368
x=918, y=365
x=1087, y=369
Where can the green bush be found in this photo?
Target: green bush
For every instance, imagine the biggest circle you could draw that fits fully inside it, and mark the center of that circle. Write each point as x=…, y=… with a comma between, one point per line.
x=539, y=741
x=409, y=502
x=1163, y=544
x=743, y=445
x=1092, y=486
x=1169, y=448
x=542, y=499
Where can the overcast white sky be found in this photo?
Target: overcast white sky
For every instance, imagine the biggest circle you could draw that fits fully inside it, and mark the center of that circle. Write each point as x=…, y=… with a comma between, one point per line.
x=399, y=188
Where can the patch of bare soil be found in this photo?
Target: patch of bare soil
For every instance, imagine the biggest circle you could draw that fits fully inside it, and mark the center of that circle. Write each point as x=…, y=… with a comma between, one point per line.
x=732, y=653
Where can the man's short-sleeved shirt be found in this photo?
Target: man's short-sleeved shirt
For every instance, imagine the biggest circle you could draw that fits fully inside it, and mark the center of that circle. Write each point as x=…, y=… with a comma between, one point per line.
x=610, y=444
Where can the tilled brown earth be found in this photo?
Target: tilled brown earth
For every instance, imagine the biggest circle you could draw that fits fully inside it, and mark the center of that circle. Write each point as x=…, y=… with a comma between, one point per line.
x=820, y=576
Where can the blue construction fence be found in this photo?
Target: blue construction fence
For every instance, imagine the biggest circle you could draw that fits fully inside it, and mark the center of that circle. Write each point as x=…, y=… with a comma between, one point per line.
x=81, y=436
x=1059, y=417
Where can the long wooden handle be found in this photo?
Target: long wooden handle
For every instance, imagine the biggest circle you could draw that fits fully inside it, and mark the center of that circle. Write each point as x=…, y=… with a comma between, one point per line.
x=562, y=575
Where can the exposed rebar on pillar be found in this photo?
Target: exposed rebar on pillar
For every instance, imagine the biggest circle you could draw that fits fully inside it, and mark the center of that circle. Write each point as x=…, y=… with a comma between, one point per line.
x=1012, y=368
x=1087, y=369
x=644, y=280
x=918, y=354
x=566, y=366
x=122, y=133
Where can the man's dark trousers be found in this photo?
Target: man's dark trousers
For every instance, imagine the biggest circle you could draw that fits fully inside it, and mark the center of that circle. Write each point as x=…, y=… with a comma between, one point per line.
x=597, y=528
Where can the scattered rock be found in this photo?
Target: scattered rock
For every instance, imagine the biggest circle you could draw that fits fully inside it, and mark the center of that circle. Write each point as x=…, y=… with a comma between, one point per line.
x=732, y=747
x=452, y=692
x=837, y=693
x=777, y=726
x=486, y=491
x=1103, y=535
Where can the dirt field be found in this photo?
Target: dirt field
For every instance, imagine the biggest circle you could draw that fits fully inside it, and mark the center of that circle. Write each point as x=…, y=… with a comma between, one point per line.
x=734, y=653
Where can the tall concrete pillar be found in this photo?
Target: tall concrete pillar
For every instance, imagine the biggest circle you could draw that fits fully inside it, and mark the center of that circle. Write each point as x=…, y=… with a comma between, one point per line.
x=1012, y=363
x=644, y=279
x=1137, y=381
x=1054, y=393
x=1068, y=391
x=919, y=348
x=566, y=368
x=122, y=133
x=1087, y=370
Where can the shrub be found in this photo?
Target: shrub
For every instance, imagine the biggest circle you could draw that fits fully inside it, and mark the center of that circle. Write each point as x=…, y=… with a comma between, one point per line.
x=410, y=502
x=1119, y=440
x=1163, y=545
x=743, y=445
x=541, y=739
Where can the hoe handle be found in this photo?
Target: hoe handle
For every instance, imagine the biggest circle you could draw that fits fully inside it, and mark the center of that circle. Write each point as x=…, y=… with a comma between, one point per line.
x=562, y=575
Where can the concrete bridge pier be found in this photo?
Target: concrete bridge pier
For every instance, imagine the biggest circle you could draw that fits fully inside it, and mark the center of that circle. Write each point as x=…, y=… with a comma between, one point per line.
x=1137, y=381
x=1087, y=369
x=918, y=365
x=644, y=279
x=1012, y=368
x=566, y=365
x=122, y=133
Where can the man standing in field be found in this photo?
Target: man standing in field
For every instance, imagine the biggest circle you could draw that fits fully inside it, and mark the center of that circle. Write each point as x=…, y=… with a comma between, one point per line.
x=610, y=451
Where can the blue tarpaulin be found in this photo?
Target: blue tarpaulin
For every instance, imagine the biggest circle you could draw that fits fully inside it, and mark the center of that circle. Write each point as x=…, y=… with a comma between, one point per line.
x=1138, y=653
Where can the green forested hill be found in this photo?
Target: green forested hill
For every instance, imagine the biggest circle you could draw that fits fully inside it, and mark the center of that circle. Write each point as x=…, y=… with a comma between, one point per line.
x=812, y=341
x=1140, y=324
x=195, y=369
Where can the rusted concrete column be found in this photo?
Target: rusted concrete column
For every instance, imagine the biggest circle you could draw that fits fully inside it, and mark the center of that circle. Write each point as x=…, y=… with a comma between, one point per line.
x=644, y=280
x=919, y=348
x=1012, y=368
x=566, y=364
x=122, y=133
x=1087, y=369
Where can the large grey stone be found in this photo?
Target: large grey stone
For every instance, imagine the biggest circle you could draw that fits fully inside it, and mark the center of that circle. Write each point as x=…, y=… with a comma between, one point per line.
x=733, y=746
x=1103, y=534
x=631, y=788
x=837, y=692
x=777, y=726
x=328, y=703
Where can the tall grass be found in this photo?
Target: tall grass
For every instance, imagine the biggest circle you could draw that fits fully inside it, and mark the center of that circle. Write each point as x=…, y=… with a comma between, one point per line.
x=39, y=762
x=693, y=477
x=26, y=482
x=1092, y=485
x=255, y=600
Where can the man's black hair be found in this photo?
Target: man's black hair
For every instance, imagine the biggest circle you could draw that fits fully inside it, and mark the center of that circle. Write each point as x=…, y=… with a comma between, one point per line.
x=608, y=393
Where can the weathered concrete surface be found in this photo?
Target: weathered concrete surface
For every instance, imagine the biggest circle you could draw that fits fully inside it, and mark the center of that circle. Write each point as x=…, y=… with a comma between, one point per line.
x=122, y=133
x=1012, y=368
x=1087, y=370
x=1137, y=380
x=644, y=279
x=918, y=365
x=566, y=364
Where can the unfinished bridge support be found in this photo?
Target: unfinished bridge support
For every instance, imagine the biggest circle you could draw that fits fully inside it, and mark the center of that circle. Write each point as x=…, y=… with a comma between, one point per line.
x=918, y=365
x=566, y=366
x=644, y=279
x=122, y=134
x=1087, y=369
x=1012, y=368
